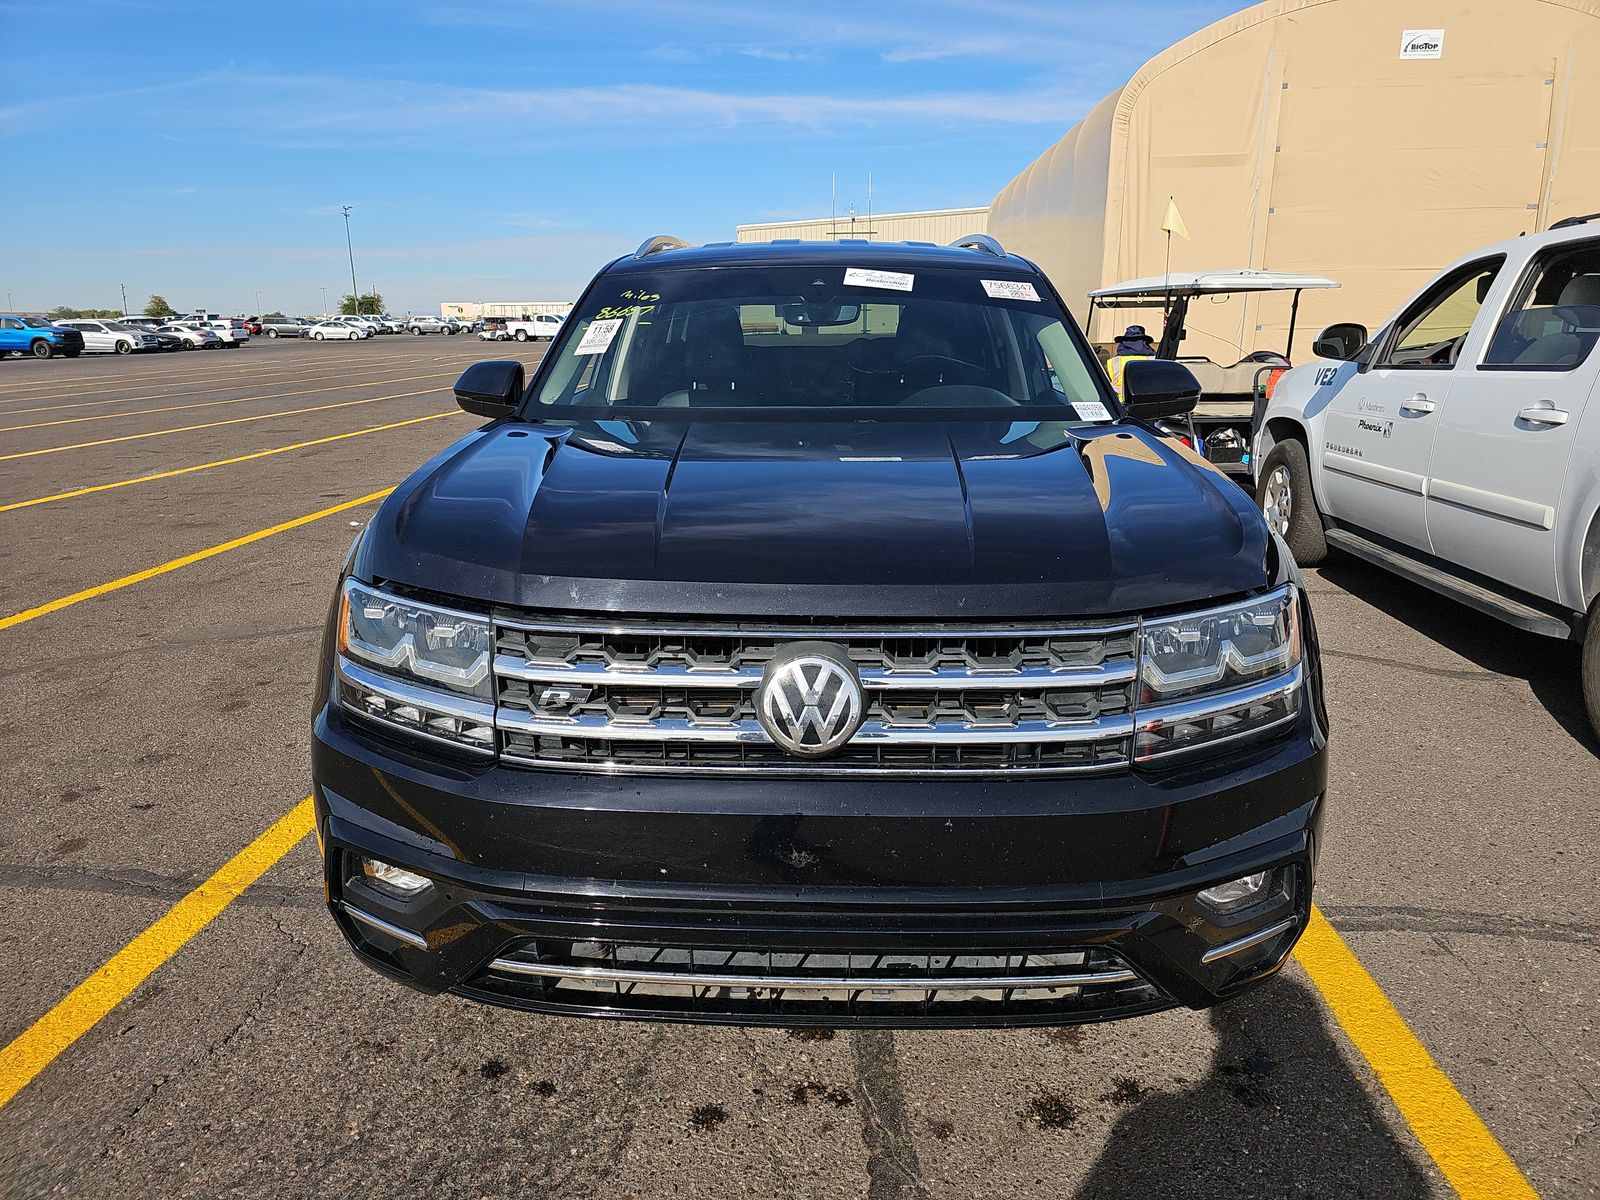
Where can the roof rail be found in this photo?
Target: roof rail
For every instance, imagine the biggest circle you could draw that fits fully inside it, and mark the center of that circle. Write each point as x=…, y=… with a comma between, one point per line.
x=1573, y=222
x=657, y=244
x=981, y=242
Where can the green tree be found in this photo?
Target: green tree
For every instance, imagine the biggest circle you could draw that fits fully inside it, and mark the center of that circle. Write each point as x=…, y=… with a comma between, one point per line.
x=157, y=306
x=370, y=304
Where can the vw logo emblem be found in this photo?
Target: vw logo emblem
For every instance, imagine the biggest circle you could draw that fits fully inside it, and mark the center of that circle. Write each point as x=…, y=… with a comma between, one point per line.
x=810, y=699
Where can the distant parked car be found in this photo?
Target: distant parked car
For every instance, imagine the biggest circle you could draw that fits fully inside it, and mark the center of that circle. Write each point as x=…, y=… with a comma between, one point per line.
x=193, y=337
x=37, y=337
x=540, y=327
x=277, y=327
x=427, y=324
x=494, y=330
x=113, y=337
x=324, y=331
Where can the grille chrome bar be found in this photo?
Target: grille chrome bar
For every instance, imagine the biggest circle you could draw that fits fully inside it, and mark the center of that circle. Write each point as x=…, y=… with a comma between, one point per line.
x=941, y=733
x=813, y=632
x=509, y=666
x=817, y=983
x=940, y=699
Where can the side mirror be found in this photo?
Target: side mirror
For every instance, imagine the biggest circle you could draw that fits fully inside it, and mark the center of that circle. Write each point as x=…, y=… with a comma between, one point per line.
x=1342, y=342
x=490, y=389
x=1153, y=388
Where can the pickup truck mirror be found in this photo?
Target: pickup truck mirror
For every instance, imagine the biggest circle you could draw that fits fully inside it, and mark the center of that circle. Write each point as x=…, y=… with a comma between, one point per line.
x=1343, y=341
x=1153, y=388
x=490, y=389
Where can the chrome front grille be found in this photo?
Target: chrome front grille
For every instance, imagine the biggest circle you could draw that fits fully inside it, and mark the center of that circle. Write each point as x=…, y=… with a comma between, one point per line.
x=779, y=983
x=945, y=699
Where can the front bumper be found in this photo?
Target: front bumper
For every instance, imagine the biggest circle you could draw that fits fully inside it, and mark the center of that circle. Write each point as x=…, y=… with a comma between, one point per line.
x=734, y=901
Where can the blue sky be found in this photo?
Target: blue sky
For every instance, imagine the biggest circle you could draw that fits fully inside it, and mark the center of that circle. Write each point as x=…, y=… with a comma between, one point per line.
x=505, y=148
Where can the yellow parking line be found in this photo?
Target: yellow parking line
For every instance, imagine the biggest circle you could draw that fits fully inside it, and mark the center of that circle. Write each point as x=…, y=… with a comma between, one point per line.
x=83, y=1007
x=135, y=437
x=368, y=381
x=1454, y=1136
x=225, y=462
x=101, y=589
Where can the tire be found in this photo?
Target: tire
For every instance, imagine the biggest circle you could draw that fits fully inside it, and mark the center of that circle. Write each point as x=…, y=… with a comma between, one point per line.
x=272, y=333
x=124, y=347
x=317, y=336
x=1285, y=499
x=1591, y=667
x=43, y=349
x=416, y=331
x=521, y=335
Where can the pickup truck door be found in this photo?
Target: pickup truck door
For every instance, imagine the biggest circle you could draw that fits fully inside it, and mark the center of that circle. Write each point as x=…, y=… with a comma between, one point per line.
x=13, y=334
x=1379, y=427
x=1501, y=455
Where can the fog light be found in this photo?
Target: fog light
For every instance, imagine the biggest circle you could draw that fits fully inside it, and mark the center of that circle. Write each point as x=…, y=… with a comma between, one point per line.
x=1236, y=894
x=394, y=879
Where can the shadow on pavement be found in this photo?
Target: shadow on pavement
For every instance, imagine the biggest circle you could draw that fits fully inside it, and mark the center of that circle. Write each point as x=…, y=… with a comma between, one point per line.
x=1278, y=1114
x=1550, y=667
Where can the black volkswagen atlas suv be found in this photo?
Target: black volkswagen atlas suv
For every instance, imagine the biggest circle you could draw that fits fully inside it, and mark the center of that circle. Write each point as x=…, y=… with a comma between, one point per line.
x=815, y=638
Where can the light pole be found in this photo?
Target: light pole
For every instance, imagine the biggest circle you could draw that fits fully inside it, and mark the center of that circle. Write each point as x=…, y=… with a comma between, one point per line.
x=324, y=301
x=258, y=304
x=124, y=288
x=355, y=292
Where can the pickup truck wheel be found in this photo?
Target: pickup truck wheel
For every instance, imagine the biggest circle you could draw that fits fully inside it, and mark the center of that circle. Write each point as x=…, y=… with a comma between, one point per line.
x=42, y=349
x=521, y=335
x=1284, y=496
x=1591, y=667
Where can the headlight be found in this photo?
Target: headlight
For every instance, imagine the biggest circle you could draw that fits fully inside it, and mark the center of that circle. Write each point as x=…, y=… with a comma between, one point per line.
x=1218, y=675
x=417, y=666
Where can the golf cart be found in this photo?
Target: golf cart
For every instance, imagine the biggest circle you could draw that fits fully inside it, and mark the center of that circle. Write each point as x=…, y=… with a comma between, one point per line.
x=1231, y=397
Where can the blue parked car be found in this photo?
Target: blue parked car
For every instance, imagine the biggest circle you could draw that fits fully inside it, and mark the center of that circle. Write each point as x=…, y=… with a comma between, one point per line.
x=38, y=337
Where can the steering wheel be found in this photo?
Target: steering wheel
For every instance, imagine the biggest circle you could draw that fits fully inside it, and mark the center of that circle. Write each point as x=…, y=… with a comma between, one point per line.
x=959, y=395
x=938, y=361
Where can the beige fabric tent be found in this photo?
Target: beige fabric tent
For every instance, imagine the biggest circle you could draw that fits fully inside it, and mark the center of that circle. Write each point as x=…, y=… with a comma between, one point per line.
x=1371, y=141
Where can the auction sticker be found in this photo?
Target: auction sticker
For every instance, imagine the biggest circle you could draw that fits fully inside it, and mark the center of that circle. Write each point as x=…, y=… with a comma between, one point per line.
x=1090, y=410
x=895, y=281
x=599, y=336
x=1010, y=289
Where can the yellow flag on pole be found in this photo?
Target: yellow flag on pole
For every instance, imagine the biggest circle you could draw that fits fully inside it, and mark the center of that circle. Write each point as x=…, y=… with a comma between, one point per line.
x=1173, y=221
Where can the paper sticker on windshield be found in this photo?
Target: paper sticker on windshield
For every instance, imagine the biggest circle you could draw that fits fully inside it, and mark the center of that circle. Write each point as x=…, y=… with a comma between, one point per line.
x=1090, y=410
x=1009, y=289
x=598, y=336
x=895, y=281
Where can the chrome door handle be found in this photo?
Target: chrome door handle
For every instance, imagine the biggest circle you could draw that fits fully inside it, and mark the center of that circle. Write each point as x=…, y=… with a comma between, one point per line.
x=1419, y=404
x=1542, y=415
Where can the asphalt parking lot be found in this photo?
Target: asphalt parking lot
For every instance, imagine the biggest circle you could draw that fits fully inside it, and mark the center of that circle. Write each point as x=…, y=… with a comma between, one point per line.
x=155, y=727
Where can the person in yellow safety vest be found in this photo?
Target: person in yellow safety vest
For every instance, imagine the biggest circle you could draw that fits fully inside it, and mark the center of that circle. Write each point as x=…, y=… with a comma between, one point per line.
x=1134, y=343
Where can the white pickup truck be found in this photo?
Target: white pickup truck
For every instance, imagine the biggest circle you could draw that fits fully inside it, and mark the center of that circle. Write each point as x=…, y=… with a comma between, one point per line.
x=539, y=327
x=1459, y=446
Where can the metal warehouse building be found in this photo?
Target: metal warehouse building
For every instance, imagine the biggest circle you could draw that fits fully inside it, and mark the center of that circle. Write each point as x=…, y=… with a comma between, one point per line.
x=471, y=310
x=1372, y=141
x=940, y=226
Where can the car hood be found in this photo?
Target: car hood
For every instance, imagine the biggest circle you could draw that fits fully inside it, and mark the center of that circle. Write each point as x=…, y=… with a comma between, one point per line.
x=893, y=519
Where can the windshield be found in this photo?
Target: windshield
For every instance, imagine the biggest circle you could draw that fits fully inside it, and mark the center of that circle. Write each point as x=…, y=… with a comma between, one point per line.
x=865, y=343
x=35, y=323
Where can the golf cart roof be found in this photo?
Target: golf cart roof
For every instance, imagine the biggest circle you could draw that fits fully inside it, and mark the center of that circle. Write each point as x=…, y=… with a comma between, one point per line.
x=1134, y=293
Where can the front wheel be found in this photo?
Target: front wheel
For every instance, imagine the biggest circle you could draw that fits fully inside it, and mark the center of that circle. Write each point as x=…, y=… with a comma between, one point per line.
x=272, y=333
x=124, y=347
x=416, y=330
x=43, y=349
x=1591, y=666
x=317, y=336
x=521, y=335
x=1284, y=495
